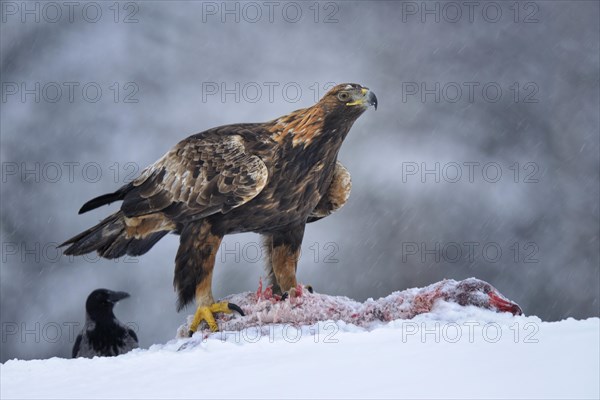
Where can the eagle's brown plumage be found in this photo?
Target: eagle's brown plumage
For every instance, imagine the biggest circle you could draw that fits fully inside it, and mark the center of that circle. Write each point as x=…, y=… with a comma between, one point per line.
x=271, y=178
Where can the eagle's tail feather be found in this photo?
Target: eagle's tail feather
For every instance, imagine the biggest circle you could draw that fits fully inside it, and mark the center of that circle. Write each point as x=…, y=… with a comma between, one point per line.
x=137, y=247
x=97, y=237
x=106, y=199
x=131, y=246
x=110, y=239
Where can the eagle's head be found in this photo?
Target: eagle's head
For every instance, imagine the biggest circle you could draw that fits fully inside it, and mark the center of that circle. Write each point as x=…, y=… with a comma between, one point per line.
x=331, y=117
x=348, y=99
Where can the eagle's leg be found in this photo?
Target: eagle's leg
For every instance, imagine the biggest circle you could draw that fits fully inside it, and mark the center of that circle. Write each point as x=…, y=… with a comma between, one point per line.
x=194, y=265
x=271, y=279
x=283, y=254
x=206, y=313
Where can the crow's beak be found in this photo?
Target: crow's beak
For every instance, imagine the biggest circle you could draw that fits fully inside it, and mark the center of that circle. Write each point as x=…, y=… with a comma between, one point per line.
x=118, y=296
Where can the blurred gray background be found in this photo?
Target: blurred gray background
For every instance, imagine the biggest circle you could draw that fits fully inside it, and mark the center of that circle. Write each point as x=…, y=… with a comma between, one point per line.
x=158, y=67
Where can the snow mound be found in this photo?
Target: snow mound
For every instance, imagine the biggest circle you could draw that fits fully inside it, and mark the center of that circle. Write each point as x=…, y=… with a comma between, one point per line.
x=447, y=340
x=264, y=308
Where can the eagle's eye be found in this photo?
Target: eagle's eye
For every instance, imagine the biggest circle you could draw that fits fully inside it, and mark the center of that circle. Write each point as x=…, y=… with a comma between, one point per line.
x=343, y=96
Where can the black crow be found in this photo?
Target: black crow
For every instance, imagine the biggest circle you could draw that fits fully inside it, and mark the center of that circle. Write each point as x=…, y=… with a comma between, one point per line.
x=102, y=334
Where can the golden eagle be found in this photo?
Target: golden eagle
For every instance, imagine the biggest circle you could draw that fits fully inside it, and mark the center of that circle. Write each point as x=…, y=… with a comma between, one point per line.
x=271, y=178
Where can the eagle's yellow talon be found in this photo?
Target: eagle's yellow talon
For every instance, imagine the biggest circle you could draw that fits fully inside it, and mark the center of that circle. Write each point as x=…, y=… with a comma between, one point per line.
x=206, y=313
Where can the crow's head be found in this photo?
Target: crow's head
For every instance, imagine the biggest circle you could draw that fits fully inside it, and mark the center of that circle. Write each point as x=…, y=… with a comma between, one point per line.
x=100, y=303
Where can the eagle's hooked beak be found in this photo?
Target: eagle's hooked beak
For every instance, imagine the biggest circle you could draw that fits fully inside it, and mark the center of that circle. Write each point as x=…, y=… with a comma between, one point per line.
x=371, y=99
x=366, y=97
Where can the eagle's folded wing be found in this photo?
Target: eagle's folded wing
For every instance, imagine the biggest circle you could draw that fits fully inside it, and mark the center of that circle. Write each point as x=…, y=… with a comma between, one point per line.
x=202, y=175
x=336, y=196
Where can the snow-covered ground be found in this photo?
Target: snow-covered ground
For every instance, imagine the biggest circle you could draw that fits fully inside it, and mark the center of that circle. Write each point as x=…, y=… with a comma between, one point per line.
x=451, y=351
